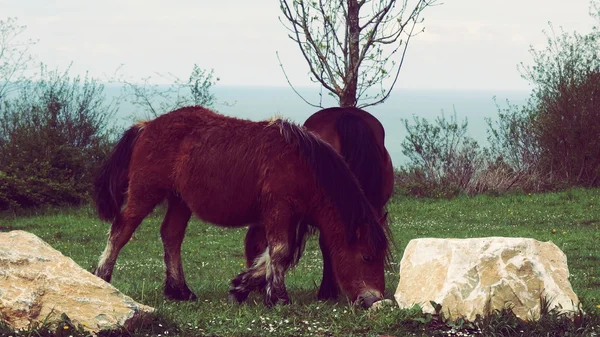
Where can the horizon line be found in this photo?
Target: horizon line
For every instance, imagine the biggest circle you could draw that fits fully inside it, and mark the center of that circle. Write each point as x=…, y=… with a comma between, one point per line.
x=273, y=86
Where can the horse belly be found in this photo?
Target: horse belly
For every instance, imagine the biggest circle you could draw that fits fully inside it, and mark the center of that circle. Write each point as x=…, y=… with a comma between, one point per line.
x=221, y=204
x=227, y=212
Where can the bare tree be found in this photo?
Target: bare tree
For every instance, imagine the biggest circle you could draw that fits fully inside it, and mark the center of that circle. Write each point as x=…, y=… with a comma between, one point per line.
x=350, y=45
x=14, y=55
x=155, y=99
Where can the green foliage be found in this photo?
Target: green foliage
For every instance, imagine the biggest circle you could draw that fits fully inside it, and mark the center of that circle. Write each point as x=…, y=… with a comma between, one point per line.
x=199, y=83
x=513, y=138
x=563, y=114
x=442, y=158
x=53, y=135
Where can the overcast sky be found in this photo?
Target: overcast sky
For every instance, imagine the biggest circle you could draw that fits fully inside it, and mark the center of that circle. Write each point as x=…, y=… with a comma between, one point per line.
x=468, y=44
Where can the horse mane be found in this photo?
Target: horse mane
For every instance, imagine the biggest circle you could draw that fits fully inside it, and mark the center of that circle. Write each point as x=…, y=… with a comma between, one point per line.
x=339, y=184
x=363, y=156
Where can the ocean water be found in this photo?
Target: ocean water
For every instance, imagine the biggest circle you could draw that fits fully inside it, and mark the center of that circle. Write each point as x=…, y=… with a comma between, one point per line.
x=258, y=103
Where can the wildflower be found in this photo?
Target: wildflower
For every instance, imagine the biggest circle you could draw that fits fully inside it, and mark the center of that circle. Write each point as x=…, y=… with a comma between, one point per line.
x=598, y=306
x=553, y=231
x=66, y=327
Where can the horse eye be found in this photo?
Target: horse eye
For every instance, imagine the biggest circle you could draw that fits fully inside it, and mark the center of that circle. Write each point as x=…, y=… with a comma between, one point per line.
x=367, y=258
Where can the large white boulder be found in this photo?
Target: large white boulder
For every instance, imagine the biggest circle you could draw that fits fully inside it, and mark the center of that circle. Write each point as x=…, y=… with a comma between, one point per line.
x=477, y=276
x=37, y=283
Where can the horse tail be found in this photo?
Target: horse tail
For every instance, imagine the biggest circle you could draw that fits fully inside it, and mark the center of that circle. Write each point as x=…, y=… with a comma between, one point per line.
x=112, y=180
x=363, y=155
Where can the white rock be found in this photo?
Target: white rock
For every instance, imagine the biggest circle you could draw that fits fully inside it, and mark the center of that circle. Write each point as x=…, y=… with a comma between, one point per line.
x=380, y=304
x=37, y=283
x=477, y=276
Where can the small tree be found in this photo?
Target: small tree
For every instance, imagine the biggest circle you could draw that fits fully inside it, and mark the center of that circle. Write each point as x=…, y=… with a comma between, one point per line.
x=350, y=45
x=566, y=99
x=156, y=99
x=441, y=153
x=15, y=58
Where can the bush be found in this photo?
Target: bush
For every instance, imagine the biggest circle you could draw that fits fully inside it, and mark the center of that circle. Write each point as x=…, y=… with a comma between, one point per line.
x=512, y=138
x=442, y=159
x=566, y=107
x=53, y=135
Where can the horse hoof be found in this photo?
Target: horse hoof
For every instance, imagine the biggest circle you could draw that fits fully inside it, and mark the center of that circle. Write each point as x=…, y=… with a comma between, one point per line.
x=231, y=298
x=190, y=297
x=279, y=301
x=180, y=295
x=327, y=295
x=237, y=296
x=103, y=275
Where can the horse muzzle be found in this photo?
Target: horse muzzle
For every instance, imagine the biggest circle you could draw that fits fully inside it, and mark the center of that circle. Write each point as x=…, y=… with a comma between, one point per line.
x=368, y=297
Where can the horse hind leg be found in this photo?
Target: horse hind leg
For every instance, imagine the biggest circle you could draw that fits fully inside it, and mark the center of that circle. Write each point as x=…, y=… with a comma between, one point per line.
x=172, y=232
x=141, y=201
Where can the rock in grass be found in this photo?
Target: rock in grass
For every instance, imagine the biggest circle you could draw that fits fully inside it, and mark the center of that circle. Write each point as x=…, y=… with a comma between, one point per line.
x=380, y=304
x=38, y=283
x=477, y=276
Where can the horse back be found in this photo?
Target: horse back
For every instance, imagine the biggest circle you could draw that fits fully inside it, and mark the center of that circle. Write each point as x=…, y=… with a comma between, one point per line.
x=224, y=168
x=328, y=125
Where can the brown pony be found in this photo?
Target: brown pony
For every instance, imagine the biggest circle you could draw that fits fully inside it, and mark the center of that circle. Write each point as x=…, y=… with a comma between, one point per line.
x=233, y=172
x=359, y=137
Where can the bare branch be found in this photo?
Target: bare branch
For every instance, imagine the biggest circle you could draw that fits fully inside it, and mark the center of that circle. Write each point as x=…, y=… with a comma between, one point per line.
x=15, y=58
x=385, y=97
x=304, y=25
x=291, y=86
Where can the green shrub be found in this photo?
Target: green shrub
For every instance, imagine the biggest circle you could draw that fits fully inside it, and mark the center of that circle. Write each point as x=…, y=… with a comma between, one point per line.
x=53, y=135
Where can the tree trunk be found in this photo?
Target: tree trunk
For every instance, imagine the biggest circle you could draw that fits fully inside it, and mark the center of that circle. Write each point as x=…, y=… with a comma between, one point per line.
x=348, y=95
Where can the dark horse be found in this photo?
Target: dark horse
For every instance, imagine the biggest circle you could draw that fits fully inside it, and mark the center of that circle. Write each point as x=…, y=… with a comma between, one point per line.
x=359, y=137
x=233, y=172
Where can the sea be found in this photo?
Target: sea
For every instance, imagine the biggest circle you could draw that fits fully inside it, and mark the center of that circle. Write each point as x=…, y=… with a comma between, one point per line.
x=258, y=103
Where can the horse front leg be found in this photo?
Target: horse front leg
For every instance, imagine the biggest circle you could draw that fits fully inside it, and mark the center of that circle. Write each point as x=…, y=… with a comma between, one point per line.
x=268, y=270
x=268, y=273
x=329, y=288
x=275, y=292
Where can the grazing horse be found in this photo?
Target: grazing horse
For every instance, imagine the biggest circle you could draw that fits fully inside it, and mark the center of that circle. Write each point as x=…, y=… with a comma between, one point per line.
x=232, y=172
x=359, y=137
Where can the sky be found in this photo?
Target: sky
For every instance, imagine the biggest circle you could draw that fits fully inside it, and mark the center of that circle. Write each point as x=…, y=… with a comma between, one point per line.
x=467, y=44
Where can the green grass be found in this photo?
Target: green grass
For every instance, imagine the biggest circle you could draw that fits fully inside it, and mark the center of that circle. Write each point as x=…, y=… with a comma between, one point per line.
x=212, y=256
